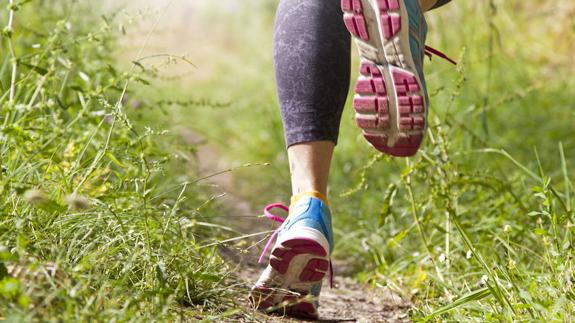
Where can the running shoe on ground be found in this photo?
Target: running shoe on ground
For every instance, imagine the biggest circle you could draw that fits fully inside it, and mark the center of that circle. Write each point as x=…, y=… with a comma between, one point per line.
x=299, y=260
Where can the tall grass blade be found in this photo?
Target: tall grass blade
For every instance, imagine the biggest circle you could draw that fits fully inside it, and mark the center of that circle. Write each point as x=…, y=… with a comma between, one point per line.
x=566, y=180
x=467, y=298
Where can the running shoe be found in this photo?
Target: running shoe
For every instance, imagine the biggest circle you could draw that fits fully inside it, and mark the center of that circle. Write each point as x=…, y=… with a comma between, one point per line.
x=391, y=100
x=299, y=260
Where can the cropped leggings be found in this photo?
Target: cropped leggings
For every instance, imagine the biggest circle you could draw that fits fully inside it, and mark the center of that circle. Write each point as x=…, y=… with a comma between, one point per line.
x=312, y=58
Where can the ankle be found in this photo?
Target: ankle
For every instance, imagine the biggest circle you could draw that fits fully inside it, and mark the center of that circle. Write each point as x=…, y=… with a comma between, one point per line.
x=309, y=188
x=312, y=193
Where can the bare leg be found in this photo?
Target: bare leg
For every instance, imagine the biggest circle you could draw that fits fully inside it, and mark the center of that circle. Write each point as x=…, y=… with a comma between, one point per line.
x=312, y=60
x=309, y=166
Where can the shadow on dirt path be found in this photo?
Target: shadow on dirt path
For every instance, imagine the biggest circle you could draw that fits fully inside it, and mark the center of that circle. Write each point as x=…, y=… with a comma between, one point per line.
x=348, y=301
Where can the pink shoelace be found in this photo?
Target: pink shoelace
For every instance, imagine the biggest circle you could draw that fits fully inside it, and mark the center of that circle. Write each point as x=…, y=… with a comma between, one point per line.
x=430, y=51
x=269, y=215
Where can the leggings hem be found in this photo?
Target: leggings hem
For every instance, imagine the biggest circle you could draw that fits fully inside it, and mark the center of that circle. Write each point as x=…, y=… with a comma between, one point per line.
x=309, y=136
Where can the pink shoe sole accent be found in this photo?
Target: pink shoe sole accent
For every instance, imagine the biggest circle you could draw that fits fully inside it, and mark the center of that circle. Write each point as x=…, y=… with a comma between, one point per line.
x=355, y=20
x=386, y=111
x=295, y=306
x=373, y=110
x=283, y=254
x=304, y=310
x=261, y=297
x=314, y=271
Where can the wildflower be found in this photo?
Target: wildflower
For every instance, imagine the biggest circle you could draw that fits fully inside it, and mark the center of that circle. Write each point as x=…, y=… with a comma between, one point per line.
x=36, y=197
x=77, y=202
x=483, y=281
x=507, y=228
x=442, y=258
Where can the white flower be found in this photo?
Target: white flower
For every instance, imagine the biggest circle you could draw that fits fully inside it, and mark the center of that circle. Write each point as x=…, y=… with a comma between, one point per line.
x=35, y=196
x=77, y=202
x=483, y=281
x=442, y=258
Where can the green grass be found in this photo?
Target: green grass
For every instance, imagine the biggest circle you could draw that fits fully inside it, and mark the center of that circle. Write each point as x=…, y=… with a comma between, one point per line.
x=478, y=226
x=100, y=216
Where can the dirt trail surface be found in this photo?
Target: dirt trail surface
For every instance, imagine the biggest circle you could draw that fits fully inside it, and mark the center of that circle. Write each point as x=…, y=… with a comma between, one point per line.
x=348, y=301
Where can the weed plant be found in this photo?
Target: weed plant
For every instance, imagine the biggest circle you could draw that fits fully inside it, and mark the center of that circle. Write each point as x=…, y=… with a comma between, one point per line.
x=99, y=219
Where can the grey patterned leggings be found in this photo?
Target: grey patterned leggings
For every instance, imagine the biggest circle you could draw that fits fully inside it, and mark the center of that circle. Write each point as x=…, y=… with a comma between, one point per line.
x=312, y=50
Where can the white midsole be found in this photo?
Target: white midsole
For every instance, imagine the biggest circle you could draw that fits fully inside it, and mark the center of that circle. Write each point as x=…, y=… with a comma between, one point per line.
x=304, y=233
x=290, y=280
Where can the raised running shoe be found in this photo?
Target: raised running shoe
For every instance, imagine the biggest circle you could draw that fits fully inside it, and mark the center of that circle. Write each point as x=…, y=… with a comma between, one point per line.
x=391, y=100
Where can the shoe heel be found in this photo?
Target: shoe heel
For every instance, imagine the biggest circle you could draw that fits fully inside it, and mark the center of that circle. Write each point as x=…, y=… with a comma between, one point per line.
x=316, y=263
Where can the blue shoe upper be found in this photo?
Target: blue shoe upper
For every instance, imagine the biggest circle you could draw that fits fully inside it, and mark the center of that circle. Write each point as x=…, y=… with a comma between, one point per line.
x=313, y=213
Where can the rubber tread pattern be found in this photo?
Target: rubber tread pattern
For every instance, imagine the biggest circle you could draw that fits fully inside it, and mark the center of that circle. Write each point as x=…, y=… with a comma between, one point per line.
x=314, y=271
x=372, y=102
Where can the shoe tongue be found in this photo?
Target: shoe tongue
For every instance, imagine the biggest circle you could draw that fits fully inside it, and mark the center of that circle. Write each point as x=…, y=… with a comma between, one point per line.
x=315, y=194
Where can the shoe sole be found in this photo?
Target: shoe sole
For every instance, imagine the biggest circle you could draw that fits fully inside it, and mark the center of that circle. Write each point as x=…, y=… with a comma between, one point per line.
x=295, y=265
x=390, y=104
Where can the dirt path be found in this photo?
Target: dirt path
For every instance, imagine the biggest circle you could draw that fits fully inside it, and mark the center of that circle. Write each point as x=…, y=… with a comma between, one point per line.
x=348, y=301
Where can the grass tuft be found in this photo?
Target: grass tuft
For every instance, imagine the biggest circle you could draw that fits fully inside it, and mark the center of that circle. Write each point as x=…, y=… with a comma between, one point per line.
x=98, y=220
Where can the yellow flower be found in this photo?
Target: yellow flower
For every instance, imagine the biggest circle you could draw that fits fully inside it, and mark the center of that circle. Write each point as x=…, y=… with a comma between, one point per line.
x=70, y=150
